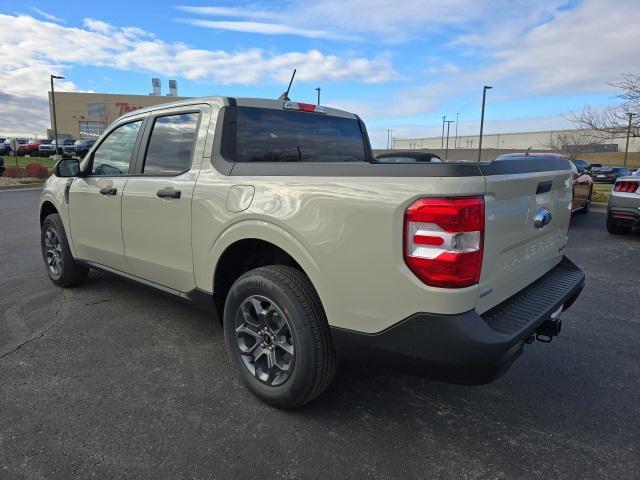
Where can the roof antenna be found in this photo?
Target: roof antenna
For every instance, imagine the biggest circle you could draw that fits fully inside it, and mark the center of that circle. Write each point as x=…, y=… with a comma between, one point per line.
x=285, y=95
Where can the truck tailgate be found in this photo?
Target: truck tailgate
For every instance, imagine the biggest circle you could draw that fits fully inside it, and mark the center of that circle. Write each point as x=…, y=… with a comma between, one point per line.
x=516, y=250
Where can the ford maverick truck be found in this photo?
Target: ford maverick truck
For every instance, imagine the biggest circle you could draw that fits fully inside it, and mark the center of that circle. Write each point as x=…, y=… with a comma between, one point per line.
x=277, y=214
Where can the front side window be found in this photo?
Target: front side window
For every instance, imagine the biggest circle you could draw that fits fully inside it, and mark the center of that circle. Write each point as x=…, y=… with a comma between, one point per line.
x=270, y=135
x=171, y=144
x=113, y=156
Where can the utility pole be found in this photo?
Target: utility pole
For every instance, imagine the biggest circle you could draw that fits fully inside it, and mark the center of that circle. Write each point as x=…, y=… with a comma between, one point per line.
x=455, y=143
x=626, y=148
x=444, y=117
x=446, y=153
x=318, y=90
x=53, y=108
x=484, y=99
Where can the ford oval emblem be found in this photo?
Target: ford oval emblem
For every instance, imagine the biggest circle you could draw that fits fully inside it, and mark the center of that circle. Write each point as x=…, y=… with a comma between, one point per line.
x=542, y=218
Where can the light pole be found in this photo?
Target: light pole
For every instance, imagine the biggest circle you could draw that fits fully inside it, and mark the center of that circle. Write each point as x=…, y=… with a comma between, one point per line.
x=318, y=90
x=626, y=148
x=446, y=153
x=53, y=107
x=484, y=99
x=455, y=143
x=444, y=117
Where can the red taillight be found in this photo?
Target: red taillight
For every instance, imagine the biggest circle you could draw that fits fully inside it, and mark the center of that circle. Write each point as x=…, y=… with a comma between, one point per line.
x=443, y=240
x=626, y=186
x=304, y=107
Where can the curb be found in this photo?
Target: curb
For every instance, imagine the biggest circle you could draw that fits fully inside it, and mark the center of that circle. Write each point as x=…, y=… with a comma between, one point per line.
x=20, y=186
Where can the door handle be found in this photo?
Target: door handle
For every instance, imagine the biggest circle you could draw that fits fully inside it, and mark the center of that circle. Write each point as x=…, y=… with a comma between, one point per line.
x=169, y=193
x=108, y=191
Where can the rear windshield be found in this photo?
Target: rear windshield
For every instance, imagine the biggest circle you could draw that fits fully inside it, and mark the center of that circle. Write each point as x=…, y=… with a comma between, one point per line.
x=268, y=135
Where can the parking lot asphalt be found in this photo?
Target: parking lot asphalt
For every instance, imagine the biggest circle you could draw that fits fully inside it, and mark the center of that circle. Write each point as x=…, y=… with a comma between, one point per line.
x=114, y=380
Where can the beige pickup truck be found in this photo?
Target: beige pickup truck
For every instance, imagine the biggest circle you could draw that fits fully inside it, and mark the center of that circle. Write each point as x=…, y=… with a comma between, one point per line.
x=277, y=215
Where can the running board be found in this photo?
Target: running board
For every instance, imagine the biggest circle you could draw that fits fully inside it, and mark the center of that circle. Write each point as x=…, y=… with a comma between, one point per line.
x=196, y=295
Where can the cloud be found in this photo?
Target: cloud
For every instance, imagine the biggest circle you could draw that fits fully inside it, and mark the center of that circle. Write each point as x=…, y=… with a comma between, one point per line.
x=230, y=12
x=563, y=52
x=265, y=29
x=33, y=49
x=46, y=15
x=381, y=21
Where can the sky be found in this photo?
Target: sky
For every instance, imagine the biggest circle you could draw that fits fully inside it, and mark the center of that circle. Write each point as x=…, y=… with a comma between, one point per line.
x=400, y=66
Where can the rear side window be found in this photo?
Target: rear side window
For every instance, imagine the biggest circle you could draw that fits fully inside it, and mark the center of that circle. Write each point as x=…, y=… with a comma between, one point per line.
x=171, y=144
x=269, y=135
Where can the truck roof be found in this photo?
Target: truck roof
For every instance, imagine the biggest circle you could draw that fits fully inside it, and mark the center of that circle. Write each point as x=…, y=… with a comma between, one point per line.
x=239, y=101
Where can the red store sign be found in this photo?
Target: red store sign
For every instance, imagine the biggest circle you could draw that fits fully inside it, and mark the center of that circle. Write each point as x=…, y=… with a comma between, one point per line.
x=125, y=107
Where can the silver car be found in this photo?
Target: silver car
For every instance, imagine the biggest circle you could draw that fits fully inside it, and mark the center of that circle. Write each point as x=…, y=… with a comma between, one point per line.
x=623, y=211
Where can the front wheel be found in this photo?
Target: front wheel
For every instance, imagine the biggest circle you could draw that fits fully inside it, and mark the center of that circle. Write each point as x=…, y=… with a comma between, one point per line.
x=63, y=270
x=278, y=337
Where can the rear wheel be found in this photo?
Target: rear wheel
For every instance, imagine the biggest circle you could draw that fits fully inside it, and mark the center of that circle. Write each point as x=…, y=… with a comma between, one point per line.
x=277, y=336
x=615, y=228
x=62, y=269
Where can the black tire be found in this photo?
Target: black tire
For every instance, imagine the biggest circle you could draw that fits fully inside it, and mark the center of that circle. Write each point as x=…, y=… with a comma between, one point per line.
x=68, y=272
x=615, y=228
x=313, y=364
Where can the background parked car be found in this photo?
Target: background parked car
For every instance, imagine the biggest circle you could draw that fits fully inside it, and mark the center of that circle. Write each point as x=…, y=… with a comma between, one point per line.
x=582, y=188
x=48, y=147
x=21, y=142
x=4, y=148
x=608, y=174
x=2, y=169
x=582, y=165
x=408, y=157
x=623, y=211
x=78, y=149
x=30, y=147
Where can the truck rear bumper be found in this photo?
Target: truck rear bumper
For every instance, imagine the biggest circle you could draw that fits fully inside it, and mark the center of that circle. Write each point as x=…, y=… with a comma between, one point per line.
x=467, y=348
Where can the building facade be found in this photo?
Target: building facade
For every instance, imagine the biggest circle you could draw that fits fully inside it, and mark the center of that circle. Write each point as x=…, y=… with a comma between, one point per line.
x=544, y=140
x=86, y=115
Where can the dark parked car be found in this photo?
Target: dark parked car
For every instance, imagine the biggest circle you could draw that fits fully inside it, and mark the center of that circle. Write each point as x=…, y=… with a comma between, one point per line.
x=582, y=182
x=21, y=143
x=78, y=149
x=1, y=166
x=4, y=148
x=608, y=174
x=408, y=157
x=582, y=165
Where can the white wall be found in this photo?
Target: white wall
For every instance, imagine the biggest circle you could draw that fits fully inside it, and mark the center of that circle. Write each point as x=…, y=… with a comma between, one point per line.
x=523, y=140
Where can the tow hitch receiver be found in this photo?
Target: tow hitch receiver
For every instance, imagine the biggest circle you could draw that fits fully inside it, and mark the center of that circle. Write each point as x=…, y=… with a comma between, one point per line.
x=550, y=328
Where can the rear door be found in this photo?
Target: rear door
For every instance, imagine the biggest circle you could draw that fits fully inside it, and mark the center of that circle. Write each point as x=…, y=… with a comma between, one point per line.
x=95, y=200
x=156, y=218
x=527, y=218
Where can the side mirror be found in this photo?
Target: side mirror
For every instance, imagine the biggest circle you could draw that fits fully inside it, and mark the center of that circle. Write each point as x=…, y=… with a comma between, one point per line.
x=67, y=167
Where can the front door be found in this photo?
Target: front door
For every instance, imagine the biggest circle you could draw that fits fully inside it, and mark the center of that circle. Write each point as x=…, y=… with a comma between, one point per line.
x=156, y=204
x=95, y=199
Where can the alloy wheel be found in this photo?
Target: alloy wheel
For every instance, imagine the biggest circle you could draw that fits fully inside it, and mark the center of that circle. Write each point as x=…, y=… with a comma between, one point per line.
x=265, y=340
x=53, y=251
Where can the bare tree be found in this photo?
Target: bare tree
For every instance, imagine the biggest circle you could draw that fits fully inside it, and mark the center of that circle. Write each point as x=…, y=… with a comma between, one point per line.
x=613, y=121
x=572, y=143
